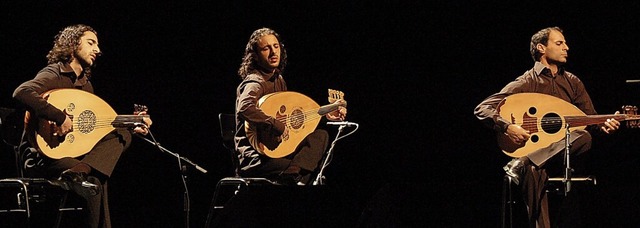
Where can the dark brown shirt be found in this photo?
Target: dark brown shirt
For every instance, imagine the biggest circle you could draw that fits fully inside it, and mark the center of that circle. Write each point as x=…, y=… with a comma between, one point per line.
x=53, y=76
x=539, y=79
x=250, y=90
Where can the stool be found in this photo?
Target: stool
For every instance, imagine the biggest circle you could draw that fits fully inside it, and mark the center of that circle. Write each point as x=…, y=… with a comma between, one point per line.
x=557, y=189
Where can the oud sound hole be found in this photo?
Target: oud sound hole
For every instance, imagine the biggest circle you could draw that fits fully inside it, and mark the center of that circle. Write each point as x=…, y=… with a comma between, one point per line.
x=534, y=138
x=86, y=122
x=296, y=119
x=551, y=123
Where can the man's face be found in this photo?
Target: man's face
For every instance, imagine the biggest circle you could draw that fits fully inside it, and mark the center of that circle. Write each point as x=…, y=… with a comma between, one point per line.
x=268, y=52
x=556, y=50
x=88, y=50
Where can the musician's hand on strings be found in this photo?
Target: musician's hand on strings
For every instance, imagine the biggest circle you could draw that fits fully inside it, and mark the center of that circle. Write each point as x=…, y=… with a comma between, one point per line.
x=611, y=125
x=285, y=134
x=517, y=134
x=340, y=114
x=66, y=127
x=143, y=129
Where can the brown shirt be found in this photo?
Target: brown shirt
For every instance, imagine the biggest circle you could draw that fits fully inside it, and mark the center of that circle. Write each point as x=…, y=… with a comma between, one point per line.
x=250, y=90
x=539, y=79
x=53, y=76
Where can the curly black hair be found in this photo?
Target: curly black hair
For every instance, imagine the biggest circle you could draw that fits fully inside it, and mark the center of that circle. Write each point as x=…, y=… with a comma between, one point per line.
x=66, y=43
x=249, y=61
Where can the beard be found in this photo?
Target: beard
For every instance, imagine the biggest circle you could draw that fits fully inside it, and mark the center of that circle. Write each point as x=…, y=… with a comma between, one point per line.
x=83, y=61
x=86, y=65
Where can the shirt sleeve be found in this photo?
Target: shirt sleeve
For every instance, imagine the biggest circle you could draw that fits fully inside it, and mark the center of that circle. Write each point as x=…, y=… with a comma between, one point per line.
x=30, y=93
x=249, y=93
x=487, y=113
x=487, y=110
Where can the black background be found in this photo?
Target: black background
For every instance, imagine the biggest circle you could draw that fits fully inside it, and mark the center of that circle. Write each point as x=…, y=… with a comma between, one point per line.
x=412, y=72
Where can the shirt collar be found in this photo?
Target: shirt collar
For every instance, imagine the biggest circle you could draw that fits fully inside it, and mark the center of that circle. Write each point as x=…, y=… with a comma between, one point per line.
x=67, y=70
x=541, y=69
x=268, y=76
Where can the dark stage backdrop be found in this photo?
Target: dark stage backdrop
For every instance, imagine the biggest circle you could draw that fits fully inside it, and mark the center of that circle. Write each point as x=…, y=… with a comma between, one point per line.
x=412, y=72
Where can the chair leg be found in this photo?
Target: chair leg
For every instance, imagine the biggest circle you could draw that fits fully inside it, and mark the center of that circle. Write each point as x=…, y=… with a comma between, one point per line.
x=212, y=206
x=42, y=191
x=216, y=194
x=507, y=203
x=63, y=202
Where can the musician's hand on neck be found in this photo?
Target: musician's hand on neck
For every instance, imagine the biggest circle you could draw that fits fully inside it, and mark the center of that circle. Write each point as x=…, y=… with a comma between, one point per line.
x=338, y=115
x=611, y=125
x=143, y=128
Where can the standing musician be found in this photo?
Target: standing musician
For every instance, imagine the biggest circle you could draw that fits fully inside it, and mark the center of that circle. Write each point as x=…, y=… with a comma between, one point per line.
x=261, y=72
x=74, y=52
x=548, y=76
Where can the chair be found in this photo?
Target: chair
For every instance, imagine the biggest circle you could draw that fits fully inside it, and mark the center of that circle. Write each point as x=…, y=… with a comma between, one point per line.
x=238, y=183
x=27, y=198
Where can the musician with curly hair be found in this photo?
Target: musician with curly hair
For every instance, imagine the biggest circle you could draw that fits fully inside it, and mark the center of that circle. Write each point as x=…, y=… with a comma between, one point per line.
x=70, y=60
x=261, y=71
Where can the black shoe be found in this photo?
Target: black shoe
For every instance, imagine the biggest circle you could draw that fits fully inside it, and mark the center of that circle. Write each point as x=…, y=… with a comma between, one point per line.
x=291, y=176
x=288, y=179
x=514, y=169
x=77, y=182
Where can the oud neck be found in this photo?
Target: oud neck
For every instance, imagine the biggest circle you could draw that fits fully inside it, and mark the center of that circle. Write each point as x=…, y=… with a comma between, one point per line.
x=328, y=108
x=125, y=121
x=577, y=121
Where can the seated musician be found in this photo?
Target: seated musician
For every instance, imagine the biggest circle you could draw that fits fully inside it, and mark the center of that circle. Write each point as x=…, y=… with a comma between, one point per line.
x=548, y=76
x=70, y=60
x=261, y=71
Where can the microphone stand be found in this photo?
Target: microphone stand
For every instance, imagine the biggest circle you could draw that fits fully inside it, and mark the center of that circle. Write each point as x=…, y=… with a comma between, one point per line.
x=320, y=177
x=186, y=202
x=174, y=154
x=567, y=170
x=183, y=172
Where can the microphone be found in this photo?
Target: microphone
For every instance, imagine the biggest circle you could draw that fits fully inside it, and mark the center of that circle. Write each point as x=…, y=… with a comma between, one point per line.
x=342, y=123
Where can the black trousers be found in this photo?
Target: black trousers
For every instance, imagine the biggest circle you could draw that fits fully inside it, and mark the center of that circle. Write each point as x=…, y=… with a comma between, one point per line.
x=307, y=156
x=102, y=159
